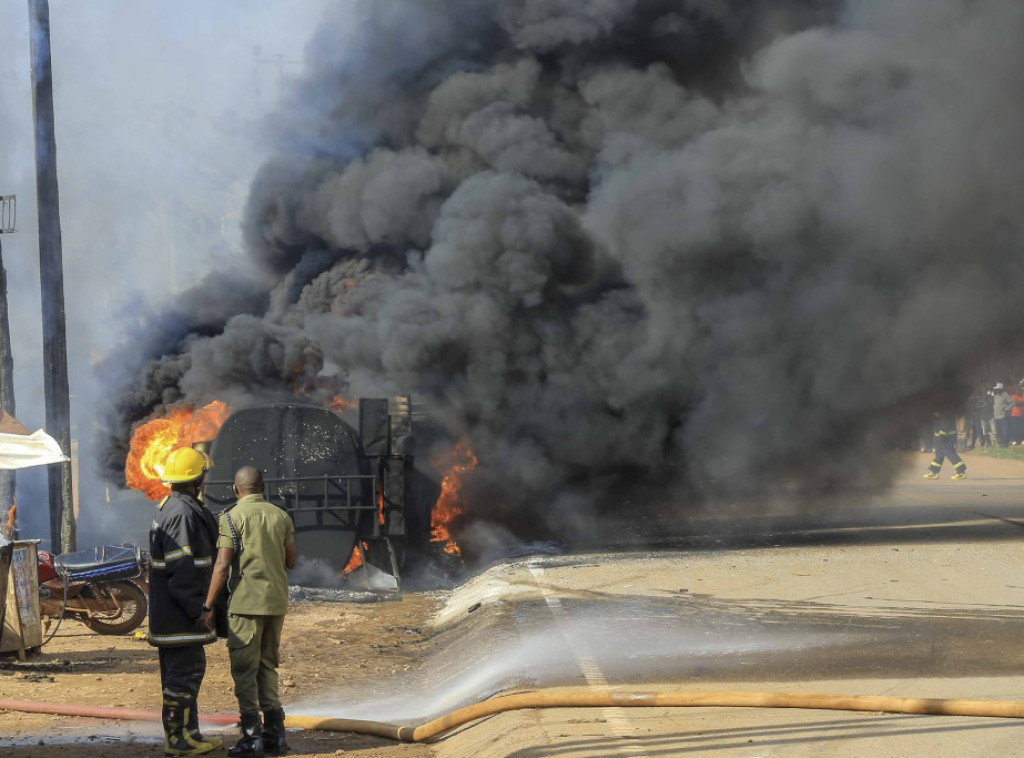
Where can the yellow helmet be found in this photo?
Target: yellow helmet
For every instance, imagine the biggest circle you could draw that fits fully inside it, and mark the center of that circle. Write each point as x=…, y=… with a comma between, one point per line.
x=184, y=465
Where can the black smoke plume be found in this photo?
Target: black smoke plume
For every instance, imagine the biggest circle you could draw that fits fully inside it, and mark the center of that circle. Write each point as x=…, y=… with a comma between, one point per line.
x=736, y=246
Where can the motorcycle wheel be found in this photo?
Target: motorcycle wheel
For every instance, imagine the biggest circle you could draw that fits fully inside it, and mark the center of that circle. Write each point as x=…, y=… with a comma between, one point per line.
x=133, y=609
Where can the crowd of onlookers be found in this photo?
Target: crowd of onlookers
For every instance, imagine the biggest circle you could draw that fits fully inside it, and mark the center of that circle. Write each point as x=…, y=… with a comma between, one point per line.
x=993, y=416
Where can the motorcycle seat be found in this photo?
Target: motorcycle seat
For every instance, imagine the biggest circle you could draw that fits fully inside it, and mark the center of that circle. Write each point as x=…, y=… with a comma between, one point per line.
x=105, y=562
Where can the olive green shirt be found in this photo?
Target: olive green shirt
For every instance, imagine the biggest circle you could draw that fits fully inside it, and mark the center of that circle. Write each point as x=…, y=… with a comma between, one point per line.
x=259, y=576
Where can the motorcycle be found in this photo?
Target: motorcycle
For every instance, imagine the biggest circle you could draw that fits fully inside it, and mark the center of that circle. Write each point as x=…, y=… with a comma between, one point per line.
x=101, y=587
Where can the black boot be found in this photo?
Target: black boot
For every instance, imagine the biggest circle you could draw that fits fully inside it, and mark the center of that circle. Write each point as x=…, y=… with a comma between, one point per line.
x=251, y=744
x=273, y=732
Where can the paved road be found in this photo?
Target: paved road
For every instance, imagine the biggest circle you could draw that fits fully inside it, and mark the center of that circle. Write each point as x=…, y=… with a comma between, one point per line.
x=919, y=592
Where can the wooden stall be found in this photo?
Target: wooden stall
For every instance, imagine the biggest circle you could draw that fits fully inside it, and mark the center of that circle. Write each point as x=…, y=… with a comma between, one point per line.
x=22, y=626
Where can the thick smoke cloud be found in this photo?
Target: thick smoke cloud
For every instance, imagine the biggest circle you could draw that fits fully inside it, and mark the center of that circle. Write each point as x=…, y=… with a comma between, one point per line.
x=736, y=246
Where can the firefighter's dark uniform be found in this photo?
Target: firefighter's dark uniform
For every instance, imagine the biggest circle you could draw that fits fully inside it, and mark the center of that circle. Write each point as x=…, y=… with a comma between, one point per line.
x=945, y=447
x=182, y=545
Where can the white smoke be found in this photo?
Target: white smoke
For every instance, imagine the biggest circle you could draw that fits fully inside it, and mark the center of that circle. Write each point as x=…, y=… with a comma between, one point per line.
x=158, y=110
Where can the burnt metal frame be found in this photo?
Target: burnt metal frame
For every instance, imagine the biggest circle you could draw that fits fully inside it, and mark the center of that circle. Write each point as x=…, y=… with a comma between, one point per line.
x=327, y=480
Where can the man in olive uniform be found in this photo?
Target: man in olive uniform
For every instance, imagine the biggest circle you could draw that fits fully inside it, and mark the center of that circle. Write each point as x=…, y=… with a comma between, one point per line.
x=254, y=551
x=182, y=540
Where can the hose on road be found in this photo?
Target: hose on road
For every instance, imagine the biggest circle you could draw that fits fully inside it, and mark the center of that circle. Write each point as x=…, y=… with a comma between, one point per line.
x=563, y=699
x=100, y=712
x=585, y=699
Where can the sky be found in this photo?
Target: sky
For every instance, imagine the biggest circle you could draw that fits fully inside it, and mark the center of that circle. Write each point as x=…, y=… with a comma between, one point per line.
x=160, y=110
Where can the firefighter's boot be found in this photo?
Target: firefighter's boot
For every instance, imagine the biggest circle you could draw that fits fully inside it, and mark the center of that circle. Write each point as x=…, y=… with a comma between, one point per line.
x=177, y=740
x=251, y=744
x=273, y=732
x=192, y=727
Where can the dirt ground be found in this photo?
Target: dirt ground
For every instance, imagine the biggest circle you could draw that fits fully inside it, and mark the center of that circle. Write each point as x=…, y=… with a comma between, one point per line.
x=340, y=648
x=912, y=593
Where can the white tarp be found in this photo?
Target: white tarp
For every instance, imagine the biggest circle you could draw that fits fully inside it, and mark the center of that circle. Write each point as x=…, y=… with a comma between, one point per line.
x=24, y=450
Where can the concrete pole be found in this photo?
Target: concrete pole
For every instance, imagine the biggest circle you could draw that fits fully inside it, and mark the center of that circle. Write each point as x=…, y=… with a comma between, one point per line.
x=51, y=273
x=7, y=478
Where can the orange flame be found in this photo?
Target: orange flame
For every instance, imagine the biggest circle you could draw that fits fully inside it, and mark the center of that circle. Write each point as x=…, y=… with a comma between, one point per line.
x=12, y=520
x=448, y=506
x=355, y=561
x=338, y=404
x=153, y=441
x=317, y=388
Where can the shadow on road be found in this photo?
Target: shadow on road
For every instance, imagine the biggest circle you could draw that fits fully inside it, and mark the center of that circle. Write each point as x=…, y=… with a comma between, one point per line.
x=890, y=525
x=776, y=736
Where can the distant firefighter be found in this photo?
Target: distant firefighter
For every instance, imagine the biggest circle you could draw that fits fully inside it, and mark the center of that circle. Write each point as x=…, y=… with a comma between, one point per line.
x=945, y=447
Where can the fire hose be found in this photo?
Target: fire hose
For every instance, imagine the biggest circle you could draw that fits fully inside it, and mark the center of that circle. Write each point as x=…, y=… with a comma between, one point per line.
x=586, y=699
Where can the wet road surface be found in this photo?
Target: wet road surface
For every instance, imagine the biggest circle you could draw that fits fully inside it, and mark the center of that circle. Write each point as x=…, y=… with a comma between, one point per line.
x=919, y=592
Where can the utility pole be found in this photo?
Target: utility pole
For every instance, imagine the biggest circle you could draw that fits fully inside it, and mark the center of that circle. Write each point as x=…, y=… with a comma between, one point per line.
x=278, y=61
x=8, y=225
x=51, y=274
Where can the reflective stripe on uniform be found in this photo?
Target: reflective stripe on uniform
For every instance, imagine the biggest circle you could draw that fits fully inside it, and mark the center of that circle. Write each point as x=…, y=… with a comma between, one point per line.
x=179, y=553
x=176, y=554
x=171, y=556
x=207, y=636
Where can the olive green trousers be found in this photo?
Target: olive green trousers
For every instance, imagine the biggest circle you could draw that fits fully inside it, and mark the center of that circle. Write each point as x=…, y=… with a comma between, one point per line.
x=253, y=645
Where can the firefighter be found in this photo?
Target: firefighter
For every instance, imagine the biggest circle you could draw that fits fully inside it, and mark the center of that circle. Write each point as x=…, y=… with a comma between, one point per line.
x=255, y=549
x=182, y=541
x=945, y=447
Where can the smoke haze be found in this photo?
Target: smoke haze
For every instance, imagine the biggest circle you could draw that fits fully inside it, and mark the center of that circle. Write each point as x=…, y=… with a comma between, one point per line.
x=158, y=109
x=732, y=246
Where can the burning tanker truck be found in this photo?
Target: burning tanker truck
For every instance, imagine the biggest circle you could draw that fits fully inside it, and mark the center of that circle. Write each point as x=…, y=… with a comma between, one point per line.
x=658, y=256
x=355, y=496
